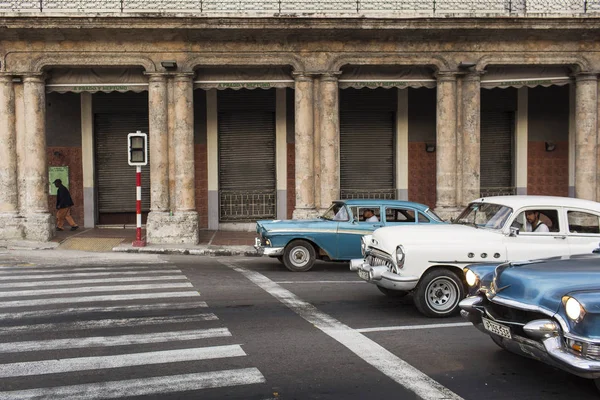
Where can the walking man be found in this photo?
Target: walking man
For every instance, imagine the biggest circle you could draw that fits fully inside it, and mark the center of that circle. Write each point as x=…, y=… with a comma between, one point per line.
x=63, y=207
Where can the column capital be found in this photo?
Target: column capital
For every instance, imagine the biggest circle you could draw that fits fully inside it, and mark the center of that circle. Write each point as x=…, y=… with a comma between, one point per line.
x=34, y=77
x=473, y=76
x=330, y=76
x=447, y=76
x=6, y=78
x=586, y=76
x=183, y=76
x=156, y=76
x=303, y=76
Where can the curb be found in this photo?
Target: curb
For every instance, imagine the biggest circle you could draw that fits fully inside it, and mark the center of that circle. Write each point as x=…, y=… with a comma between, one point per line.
x=246, y=251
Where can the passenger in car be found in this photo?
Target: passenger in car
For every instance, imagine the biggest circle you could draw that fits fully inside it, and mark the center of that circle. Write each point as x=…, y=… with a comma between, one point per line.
x=533, y=222
x=369, y=215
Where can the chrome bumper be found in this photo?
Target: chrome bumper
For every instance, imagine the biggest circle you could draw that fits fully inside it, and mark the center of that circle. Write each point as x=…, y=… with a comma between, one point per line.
x=545, y=345
x=267, y=251
x=380, y=276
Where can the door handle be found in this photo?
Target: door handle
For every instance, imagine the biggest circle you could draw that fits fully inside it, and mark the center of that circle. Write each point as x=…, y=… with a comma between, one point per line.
x=560, y=237
x=378, y=225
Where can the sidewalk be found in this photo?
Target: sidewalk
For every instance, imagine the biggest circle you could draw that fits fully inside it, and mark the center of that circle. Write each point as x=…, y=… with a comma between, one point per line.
x=211, y=243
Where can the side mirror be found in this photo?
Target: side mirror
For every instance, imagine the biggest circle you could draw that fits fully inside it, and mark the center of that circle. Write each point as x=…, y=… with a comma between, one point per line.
x=514, y=231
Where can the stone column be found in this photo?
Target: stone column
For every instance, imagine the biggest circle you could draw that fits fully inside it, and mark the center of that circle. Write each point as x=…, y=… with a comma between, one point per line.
x=10, y=227
x=185, y=209
x=158, y=218
x=330, y=140
x=586, y=135
x=305, y=173
x=470, y=156
x=446, y=152
x=39, y=223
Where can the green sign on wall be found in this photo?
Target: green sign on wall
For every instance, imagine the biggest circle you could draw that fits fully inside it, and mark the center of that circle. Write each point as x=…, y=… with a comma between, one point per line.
x=61, y=173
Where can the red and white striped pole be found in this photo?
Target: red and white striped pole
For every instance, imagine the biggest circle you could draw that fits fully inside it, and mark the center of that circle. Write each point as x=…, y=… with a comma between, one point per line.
x=138, y=208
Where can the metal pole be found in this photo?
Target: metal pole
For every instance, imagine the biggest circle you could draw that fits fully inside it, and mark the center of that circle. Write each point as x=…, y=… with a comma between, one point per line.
x=138, y=208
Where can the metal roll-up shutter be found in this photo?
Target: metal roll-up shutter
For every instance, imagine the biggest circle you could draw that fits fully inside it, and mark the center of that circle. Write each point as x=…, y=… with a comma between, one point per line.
x=367, y=156
x=497, y=133
x=115, y=178
x=247, y=177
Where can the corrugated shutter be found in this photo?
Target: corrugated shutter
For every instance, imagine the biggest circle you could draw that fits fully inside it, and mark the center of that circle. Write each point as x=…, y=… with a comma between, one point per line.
x=247, y=180
x=115, y=178
x=497, y=153
x=367, y=157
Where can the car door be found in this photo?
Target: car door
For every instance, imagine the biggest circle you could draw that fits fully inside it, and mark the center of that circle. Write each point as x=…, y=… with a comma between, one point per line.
x=529, y=245
x=350, y=232
x=583, y=230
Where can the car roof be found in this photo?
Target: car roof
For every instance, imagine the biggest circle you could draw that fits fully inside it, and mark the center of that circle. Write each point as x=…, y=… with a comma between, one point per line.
x=542, y=201
x=372, y=202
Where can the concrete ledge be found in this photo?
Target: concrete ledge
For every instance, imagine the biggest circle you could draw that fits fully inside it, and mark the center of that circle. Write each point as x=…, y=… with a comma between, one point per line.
x=27, y=245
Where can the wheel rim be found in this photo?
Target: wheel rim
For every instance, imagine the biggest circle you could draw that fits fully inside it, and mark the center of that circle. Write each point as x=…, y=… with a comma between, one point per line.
x=299, y=256
x=442, y=294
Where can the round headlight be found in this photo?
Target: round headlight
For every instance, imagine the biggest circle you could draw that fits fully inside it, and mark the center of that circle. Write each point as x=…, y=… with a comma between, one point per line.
x=574, y=309
x=471, y=278
x=400, y=256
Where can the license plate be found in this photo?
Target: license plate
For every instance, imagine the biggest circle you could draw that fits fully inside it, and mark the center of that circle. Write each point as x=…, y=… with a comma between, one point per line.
x=497, y=328
x=363, y=274
x=257, y=242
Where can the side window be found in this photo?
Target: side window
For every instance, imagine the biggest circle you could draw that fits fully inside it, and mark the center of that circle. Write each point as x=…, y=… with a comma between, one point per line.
x=394, y=214
x=368, y=214
x=537, y=220
x=582, y=222
x=423, y=219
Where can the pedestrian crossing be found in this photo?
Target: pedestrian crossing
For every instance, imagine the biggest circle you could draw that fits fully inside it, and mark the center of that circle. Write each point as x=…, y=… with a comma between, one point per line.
x=109, y=332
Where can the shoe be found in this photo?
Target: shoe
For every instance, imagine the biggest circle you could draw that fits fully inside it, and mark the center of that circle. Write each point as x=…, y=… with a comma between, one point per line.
x=59, y=229
x=74, y=228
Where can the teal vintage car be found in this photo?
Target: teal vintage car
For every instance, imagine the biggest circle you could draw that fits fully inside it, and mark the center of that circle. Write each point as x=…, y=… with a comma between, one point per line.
x=335, y=236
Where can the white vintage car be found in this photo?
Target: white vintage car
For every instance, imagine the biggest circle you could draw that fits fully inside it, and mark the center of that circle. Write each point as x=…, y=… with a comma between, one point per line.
x=428, y=260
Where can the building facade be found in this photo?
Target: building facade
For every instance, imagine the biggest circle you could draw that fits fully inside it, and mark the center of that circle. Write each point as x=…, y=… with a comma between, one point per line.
x=272, y=109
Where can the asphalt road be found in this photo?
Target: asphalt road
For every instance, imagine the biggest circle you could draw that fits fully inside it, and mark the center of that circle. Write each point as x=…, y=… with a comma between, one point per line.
x=187, y=327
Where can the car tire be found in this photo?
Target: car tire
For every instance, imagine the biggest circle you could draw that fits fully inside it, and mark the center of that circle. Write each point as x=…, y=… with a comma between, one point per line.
x=438, y=293
x=299, y=256
x=392, y=293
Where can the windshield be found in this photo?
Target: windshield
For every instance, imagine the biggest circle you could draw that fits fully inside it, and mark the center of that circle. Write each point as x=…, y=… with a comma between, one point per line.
x=430, y=212
x=337, y=212
x=484, y=215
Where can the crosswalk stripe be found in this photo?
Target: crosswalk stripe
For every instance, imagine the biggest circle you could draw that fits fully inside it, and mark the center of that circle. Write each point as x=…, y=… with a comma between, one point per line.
x=15, y=277
x=110, y=341
x=28, y=270
x=44, y=367
x=86, y=281
x=58, y=312
x=88, y=289
x=140, y=387
x=85, y=299
x=108, y=323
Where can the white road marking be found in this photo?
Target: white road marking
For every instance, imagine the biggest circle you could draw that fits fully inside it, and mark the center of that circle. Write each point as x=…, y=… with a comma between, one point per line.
x=44, y=367
x=319, y=282
x=47, y=270
x=371, y=352
x=141, y=387
x=85, y=299
x=86, y=281
x=16, y=276
x=89, y=289
x=108, y=323
x=110, y=341
x=414, y=327
x=57, y=312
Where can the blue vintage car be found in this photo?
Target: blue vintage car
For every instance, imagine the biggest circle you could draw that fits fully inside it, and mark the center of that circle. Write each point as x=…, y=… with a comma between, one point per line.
x=335, y=236
x=546, y=309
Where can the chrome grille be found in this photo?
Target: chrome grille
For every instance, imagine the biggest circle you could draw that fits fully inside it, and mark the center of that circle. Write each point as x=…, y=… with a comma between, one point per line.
x=375, y=261
x=592, y=351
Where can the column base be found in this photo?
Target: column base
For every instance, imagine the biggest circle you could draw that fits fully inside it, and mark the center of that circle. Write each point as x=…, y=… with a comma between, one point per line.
x=305, y=213
x=447, y=213
x=181, y=227
x=11, y=226
x=39, y=227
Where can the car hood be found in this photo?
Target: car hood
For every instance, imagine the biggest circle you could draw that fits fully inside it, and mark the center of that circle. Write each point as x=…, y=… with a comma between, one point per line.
x=388, y=238
x=543, y=283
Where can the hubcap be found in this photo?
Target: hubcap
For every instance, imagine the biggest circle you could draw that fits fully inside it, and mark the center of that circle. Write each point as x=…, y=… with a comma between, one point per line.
x=442, y=294
x=299, y=256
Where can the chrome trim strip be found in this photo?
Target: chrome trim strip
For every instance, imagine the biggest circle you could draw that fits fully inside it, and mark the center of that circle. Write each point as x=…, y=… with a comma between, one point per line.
x=273, y=251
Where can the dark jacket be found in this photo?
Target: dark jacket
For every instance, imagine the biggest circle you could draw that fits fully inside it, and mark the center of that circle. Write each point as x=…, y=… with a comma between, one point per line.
x=63, y=198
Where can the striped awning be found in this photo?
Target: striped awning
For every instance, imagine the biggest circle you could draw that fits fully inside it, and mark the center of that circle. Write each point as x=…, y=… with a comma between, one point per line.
x=525, y=76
